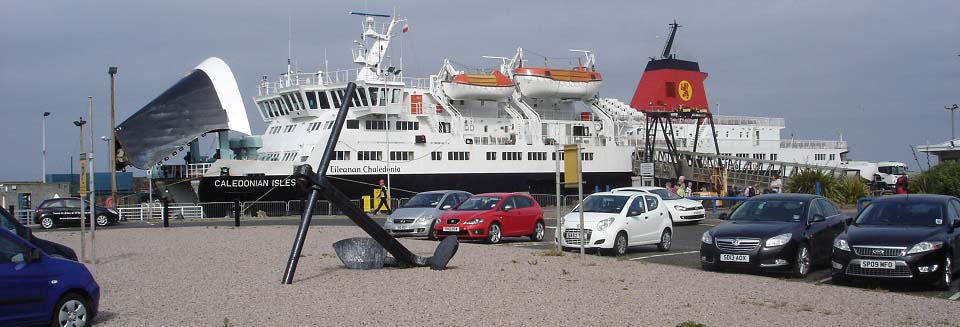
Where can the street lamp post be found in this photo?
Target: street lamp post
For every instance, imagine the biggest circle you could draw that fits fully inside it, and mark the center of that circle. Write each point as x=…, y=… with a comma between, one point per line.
x=43, y=148
x=93, y=188
x=953, y=134
x=113, y=137
x=81, y=190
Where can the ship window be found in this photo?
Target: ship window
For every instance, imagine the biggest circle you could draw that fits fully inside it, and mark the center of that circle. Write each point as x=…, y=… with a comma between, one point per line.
x=671, y=90
x=511, y=155
x=396, y=96
x=401, y=155
x=300, y=101
x=458, y=155
x=340, y=155
x=586, y=156
x=286, y=99
x=312, y=100
x=369, y=155
x=337, y=97
x=353, y=124
x=758, y=134
x=491, y=156
x=374, y=94
x=554, y=156
x=581, y=130
x=536, y=156
x=363, y=96
x=375, y=124
x=833, y=156
x=322, y=97
x=773, y=156
x=354, y=100
x=444, y=127
x=436, y=155
x=408, y=126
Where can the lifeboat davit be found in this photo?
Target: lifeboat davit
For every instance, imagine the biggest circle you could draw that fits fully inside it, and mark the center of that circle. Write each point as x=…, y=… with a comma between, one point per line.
x=544, y=83
x=493, y=86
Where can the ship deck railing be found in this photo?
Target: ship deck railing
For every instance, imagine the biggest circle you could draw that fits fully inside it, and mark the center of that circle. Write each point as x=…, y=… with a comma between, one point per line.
x=813, y=144
x=179, y=171
x=323, y=78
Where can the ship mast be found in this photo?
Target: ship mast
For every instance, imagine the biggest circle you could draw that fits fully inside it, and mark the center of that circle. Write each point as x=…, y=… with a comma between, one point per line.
x=673, y=34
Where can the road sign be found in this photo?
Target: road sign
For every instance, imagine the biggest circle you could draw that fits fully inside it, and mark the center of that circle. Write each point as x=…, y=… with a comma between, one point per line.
x=83, y=174
x=571, y=165
x=646, y=169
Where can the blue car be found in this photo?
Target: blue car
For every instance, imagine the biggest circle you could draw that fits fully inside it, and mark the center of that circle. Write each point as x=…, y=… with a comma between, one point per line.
x=37, y=289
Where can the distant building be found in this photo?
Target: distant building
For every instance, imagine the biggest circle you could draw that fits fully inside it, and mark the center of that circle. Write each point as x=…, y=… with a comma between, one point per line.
x=946, y=151
x=21, y=197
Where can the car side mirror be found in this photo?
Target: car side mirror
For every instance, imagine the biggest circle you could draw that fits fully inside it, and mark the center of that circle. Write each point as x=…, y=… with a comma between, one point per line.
x=634, y=213
x=33, y=255
x=724, y=216
x=818, y=218
x=848, y=221
x=507, y=208
x=446, y=207
x=955, y=223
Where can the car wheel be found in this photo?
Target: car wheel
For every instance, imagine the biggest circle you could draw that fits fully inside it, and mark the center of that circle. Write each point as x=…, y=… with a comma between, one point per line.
x=801, y=266
x=494, y=234
x=538, y=232
x=432, y=232
x=619, y=245
x=102, y=220
x=665, y=240
x=46, y=222
x=72, y=310
x=946, y=275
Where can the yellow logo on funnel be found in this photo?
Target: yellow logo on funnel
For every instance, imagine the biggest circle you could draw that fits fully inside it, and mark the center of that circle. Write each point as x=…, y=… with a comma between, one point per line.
x=685, y=90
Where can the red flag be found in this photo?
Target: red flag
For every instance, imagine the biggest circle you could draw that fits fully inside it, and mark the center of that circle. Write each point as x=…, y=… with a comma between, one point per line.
x=406, y=27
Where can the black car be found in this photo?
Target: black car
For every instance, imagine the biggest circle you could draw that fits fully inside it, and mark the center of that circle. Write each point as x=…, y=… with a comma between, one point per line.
x=901, y=237
x=56, y=250
x=55, y=212
x=774, y=232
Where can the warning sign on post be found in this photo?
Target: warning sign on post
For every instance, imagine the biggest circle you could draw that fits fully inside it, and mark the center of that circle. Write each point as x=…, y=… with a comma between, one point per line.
x=83, y=174
x=571, y=165
x=646, y=169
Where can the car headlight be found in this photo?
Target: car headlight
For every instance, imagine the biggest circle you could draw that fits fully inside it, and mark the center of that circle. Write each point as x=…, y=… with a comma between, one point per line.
x=473, y=221
x=680, y=208
x=603, y=224
x=424, y=219
x=778, y=240
x=925, y=246
x=841, y=244
x=706, y=238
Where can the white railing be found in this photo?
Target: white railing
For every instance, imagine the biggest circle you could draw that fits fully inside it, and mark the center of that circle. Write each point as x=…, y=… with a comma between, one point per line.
x=24, y=216
x=756, y=121
x=180, y=171
x=813, y=144
x=155, y=211
x=332, y=77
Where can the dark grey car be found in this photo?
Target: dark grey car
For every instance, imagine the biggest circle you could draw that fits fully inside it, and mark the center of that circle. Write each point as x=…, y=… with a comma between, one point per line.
x=416, y=216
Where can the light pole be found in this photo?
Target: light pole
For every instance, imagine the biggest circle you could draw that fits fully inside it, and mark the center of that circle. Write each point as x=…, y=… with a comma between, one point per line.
x=43, y=148
x=93, y=188
x=113, y=136
x=953, y=135
x=81, y=190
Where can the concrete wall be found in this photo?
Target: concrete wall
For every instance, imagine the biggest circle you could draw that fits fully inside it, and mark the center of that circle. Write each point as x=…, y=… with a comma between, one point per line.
x=13, y=194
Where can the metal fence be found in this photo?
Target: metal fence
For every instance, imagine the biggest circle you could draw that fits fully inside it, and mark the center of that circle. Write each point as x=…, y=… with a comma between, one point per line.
x=25, y=216
x=155, y=211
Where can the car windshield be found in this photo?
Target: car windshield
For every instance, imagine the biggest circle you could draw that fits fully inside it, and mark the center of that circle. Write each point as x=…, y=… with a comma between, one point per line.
x=479, y=203
x=769, y=210
x=603, y=203
x=423, y=200
x=665, y=194
x=902, y=214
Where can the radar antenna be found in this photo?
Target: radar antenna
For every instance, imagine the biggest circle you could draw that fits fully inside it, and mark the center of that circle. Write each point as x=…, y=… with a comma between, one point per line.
x=673, y=34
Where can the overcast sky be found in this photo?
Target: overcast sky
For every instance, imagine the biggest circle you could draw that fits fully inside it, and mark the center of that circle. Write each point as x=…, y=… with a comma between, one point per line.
x=877, y=72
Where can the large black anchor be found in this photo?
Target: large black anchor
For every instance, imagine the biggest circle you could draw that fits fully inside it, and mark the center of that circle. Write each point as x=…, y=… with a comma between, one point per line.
x=318, y=185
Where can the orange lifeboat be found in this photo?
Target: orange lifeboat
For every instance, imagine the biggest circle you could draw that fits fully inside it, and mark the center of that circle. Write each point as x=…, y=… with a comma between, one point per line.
x=493, y=86
x=543, y=83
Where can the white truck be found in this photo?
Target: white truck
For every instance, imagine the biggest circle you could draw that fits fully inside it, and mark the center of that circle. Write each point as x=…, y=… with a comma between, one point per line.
x=880, y=175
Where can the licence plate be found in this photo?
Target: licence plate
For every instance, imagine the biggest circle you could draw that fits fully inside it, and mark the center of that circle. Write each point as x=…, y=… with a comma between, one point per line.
x=451, y=229
x=878, y=264
x=735, y=257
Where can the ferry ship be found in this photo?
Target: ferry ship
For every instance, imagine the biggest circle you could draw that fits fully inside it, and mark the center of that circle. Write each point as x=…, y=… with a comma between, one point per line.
x=479, y=131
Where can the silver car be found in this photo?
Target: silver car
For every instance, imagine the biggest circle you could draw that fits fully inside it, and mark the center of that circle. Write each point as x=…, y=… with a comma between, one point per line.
x=416, y=216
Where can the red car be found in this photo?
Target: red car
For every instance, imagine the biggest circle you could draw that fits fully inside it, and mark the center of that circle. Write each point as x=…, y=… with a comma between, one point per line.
x=493, y=216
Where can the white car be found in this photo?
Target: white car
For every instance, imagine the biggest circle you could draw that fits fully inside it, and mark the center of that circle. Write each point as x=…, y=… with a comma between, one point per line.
x=681, y=210
x=616, y=220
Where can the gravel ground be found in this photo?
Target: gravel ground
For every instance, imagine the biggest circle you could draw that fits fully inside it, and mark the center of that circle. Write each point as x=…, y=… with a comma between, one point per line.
x=203, y=276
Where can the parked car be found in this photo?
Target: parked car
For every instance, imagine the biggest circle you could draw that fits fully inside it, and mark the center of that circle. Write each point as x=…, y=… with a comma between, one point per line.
x=42, y=290
x=681, y=210
x=417, y=215
x=493, y=216
x=56, y=250
x=616, y=220
x=901, y=237
x=774, y=232
x=53, y=212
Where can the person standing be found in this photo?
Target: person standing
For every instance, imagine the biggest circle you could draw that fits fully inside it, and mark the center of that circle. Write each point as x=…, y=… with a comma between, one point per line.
x=689, y=190
x=776, y=184
x=902, y=184
x=670, y=187
x=681, y=186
